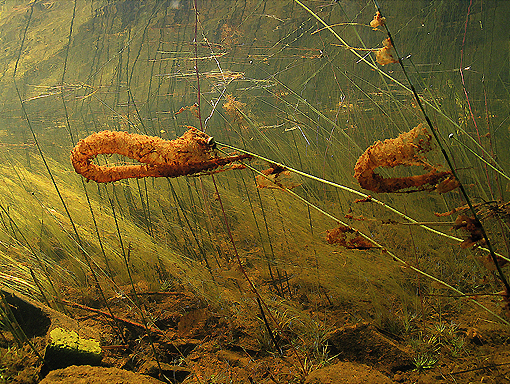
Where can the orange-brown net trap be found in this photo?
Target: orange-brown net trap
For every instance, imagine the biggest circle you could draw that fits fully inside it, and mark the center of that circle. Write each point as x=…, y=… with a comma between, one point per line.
x=191, y=153
x=407, y=150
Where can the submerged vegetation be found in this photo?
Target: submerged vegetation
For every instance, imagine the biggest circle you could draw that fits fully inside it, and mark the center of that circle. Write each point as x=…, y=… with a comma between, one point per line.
x=354, y=199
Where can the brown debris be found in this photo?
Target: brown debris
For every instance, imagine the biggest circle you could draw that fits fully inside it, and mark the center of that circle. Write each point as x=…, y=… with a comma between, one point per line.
x=234, y=108
x=454, y=210
x=447, y=185
x=386, y=55
x=276, y=177
x=378, y=21
x=407, y=150
x=367, y=199
x=358, y=218
x=347, y=237
x=193, y=109
x=191, y=153
x=473, y=226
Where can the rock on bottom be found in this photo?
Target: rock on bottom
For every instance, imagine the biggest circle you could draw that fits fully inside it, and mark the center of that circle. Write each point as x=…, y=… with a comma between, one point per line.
x=86, y=374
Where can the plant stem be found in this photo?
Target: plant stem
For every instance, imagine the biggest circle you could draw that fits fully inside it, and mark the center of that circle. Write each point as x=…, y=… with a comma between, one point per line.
x=450, y=165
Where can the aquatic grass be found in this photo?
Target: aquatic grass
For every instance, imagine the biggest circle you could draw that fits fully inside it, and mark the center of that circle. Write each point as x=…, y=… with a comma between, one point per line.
x=424, y=361
x=355, y=192
x=492, y=253
x=419, y=101
x=289, y=107
x=43, y=158
x=126, y=256
x=96, y=231
x=56, y=227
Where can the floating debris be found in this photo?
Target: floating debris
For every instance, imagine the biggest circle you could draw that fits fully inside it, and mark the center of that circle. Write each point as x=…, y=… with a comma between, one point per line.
x=378, y=21
x=406, y=150
x=193, y=109
x=189, y=154
x=386, y=55
x=474, y=227
x=276, y=177
x=234, y=108
x=348, y=237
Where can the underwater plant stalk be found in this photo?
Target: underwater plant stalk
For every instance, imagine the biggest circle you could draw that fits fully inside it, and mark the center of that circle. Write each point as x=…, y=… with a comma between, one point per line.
x=116, y=328
x=144, y=201
x=400, y=84
x=461, y=71
x=66, y=56
x=41, y=263
x=417, y=263
x=450, y=164
x=266, y=256
x=269, y=238
x=383, y=249
x=501, y=173
x=353, y=191
x=203, y=256
x=195, y=42
x=126, y=257
x=25, y=114
x=260, y=301
x=189, y=250
x=96, y=228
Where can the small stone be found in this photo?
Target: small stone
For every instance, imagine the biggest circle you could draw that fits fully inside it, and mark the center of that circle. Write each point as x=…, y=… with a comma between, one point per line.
x=66, y=348
x=85, y=374
x=362, y=343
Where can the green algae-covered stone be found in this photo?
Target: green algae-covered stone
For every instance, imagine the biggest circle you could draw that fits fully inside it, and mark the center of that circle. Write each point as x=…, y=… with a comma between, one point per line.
x=66, y=348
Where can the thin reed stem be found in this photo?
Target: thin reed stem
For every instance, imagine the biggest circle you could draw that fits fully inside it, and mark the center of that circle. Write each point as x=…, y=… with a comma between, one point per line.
x=451, y=166
x=383, y=249
x=126, y=257
x=355, y=192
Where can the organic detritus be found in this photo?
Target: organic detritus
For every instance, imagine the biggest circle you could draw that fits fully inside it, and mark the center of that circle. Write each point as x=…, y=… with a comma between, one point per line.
x=407, y=150
x=191, y=153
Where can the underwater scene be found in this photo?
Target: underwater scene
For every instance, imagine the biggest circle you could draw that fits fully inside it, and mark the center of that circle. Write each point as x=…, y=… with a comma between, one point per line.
x=254, y=191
